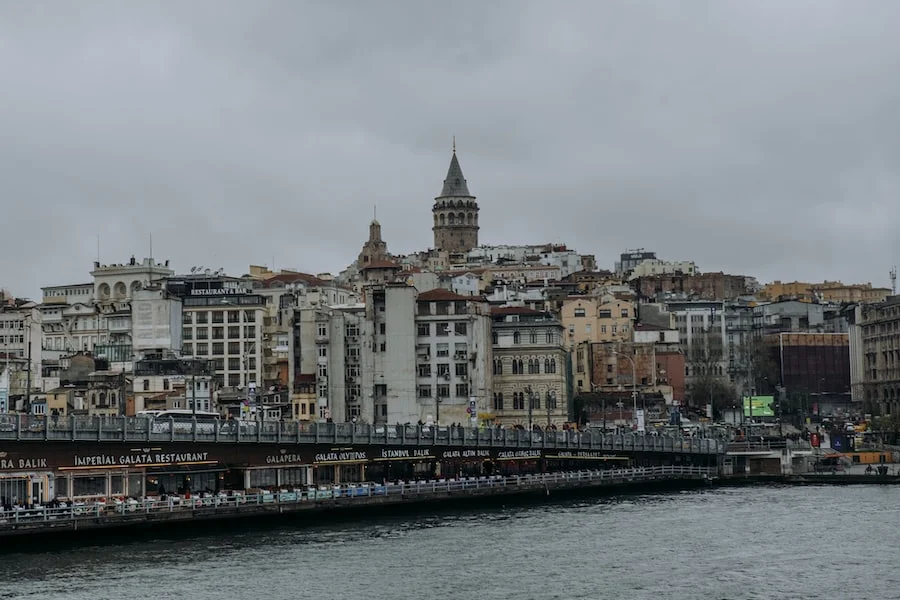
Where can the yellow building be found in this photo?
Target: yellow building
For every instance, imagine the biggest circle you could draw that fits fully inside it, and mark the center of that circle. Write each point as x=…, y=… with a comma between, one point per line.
x=60, y=401
x=606, y=318
x=827, y=291
x=303, y=399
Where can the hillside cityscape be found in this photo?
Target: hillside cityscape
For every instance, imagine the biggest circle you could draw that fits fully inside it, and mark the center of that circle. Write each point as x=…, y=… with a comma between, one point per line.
x=513, y=335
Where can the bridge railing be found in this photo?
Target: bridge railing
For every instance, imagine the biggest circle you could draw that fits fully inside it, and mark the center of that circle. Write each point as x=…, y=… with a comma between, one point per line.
x=343, y=493
x=145, y=429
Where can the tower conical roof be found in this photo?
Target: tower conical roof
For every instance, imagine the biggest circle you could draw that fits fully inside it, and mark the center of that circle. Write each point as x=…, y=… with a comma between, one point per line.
x=455, y=184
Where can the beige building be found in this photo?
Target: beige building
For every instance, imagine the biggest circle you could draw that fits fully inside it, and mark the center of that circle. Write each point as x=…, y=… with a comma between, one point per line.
x=605, y=318
x=529, y=368
x=827, y=291
x=875, y=356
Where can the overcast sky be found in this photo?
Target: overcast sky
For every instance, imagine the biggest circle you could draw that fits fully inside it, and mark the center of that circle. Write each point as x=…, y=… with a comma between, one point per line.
x=758, y=138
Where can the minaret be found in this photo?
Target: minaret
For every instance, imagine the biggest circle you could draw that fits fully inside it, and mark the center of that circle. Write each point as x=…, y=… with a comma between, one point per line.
x=455, y=212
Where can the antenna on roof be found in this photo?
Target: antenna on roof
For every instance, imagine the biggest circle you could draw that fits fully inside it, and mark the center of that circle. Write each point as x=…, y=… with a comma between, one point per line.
x=151, y=245
x=98, y=248
x=894, y=280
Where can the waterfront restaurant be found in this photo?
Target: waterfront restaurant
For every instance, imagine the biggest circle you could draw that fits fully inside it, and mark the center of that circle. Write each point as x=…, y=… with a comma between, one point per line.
x=39, y=472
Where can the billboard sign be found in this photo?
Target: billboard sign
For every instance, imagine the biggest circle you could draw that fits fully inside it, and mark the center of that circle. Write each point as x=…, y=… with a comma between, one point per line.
x=759, y=406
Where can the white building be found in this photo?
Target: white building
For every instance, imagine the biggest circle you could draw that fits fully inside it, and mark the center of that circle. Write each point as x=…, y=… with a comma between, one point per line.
x=69, y=320
x=80, y=317
x=222, y=322
x=156, y=321
x=654, y=266
x=702, y=332
x=20, y=350
x=453, y=357
x=389, y=359
x=465, y=284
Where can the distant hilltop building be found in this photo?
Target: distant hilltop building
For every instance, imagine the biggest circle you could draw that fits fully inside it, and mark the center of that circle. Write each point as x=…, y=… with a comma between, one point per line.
x=827, y=291
x=455, y=213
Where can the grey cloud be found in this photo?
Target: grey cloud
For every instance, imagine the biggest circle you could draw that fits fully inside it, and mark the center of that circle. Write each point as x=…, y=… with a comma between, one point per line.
x=756, y=138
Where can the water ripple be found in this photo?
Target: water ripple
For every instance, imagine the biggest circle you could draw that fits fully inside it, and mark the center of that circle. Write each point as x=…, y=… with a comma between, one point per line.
x=723, y=544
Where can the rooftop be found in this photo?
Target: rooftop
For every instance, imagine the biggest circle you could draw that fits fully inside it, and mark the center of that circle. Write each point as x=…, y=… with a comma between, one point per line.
x=442, y=295
x=381, y=264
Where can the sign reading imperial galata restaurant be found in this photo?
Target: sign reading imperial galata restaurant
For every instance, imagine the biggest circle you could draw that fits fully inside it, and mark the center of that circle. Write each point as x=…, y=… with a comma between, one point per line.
x=137, y=457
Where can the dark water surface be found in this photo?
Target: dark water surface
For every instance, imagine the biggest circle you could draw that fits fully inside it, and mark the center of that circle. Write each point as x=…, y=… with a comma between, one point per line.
x=734, y=543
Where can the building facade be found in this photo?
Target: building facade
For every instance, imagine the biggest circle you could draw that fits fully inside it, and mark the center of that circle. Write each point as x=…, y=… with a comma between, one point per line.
x=874, y=342
x=529, y=368
x=605, y=318
x=223, y=323
x=453, y=353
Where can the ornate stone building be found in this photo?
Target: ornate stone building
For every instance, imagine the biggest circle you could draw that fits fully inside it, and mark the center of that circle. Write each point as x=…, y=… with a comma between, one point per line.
x=455, y=213
x=529, y=367
x=375, y=249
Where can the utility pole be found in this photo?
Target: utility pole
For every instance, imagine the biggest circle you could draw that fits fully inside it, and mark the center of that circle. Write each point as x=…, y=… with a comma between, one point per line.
x=28, y=325
x=530, y=407
x=194, y=385
x=549, y=392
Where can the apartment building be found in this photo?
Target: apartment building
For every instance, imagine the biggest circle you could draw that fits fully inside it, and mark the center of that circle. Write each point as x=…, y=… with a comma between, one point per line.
x=528, y=367
x=20, y=349
x=874, y=342
x=222, y=321
x=452, y=353
x=163, y=380
x=603, y=318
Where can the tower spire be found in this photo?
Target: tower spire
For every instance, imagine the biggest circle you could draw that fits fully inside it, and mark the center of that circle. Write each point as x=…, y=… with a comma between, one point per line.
x=454, y=144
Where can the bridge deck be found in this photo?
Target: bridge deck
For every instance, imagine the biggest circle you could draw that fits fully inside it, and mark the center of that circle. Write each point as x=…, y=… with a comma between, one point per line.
x=135, y=429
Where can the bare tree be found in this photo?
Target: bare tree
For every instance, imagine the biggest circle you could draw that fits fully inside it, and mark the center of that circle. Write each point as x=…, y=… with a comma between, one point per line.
x=709, y=381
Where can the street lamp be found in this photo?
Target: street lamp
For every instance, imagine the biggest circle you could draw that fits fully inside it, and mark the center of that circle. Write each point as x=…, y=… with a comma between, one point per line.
x=530, y=393
x=633, y=383
x=551, y=400
x=594, y=387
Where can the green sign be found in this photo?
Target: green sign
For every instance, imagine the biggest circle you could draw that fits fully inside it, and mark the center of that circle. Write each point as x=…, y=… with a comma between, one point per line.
x=759, y=406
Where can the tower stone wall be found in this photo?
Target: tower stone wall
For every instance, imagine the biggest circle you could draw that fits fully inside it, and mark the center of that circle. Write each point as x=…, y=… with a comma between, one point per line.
x=455, y=213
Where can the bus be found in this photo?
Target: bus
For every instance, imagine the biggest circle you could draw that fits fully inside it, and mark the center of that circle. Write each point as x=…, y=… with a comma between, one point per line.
x=163, y=421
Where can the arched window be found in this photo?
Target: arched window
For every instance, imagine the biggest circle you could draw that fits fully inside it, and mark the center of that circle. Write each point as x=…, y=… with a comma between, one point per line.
x=552, y=365
x=518, y=401
x=517, y=337
x=533, y=337
x=530, y=366
x=547, y=366
x=470, y=219
x=521, y=367
x=495, y=338
x=461, y=217
x=498, y=401
x=549, y=337
x=498, y=366
x=451, y=219
x=443, y=221
x=515, y=367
